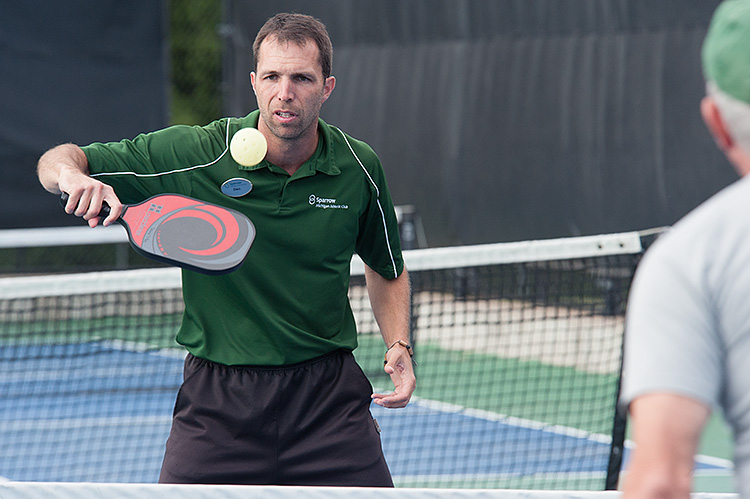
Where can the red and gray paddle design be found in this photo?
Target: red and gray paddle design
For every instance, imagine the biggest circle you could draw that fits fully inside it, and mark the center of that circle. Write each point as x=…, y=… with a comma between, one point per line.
x=186, y=232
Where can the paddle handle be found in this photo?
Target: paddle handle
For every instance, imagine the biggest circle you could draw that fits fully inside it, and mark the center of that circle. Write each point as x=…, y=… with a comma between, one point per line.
x=102, y=213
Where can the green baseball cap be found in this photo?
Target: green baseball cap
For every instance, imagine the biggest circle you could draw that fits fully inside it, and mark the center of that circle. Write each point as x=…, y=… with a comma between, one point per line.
x=726, y=49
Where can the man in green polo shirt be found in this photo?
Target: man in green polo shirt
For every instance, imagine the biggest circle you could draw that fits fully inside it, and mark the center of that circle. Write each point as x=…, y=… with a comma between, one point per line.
x=272, y=394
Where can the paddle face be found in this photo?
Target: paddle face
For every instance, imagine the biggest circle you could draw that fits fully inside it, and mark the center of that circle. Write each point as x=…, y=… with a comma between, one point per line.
x=182, y=231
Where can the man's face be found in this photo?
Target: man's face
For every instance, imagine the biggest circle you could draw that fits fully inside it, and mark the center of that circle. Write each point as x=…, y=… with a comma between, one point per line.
x=290, y=89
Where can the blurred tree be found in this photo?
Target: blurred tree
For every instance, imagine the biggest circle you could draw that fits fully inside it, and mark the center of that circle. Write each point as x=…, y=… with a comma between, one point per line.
x=196, y=61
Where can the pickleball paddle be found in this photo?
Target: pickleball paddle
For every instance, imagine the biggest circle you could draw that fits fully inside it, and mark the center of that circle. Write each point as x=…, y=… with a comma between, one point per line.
x=186, y=232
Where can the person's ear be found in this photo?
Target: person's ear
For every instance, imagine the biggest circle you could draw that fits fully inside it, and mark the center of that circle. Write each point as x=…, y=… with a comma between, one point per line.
x=715, y=123
x=328, y=86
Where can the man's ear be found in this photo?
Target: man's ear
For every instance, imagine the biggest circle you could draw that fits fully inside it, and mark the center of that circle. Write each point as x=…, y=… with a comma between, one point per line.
x=715, y=123
x=328, y=87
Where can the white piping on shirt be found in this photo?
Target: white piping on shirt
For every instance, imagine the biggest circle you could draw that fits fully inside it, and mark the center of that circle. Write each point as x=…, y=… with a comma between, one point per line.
x=179, y=170
x=380, y=207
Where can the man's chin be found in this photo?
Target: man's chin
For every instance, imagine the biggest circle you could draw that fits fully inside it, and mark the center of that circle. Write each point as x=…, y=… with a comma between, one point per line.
x=286, y=132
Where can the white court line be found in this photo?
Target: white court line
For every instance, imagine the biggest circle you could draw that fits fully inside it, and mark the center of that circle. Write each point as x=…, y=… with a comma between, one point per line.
x=530, y=424
x=436, y=405
x=727, y=465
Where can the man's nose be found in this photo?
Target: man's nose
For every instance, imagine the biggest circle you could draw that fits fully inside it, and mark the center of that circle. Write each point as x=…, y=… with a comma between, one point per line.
x=286, y=91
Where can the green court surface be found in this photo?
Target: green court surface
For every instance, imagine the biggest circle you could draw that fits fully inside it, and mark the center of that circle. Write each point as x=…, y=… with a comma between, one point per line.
x=530, y=397
x=716, y=443
x=517, y=388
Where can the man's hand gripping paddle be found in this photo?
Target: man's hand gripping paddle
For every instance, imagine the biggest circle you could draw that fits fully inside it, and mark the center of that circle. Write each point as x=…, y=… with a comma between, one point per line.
x=182, y=231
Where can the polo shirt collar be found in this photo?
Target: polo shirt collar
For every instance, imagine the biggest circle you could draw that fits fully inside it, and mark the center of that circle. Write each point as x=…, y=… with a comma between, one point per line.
x=323, y=159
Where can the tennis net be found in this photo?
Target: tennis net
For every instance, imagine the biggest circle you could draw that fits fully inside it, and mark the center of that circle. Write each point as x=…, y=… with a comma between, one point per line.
x=34, y=490
x=518, y=348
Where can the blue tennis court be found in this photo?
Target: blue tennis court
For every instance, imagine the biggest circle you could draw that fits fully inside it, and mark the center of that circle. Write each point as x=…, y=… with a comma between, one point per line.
x=73, y=420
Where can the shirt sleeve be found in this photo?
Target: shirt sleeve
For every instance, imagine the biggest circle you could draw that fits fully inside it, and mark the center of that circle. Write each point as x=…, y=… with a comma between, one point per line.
x=672, y=339
x=154, y=163
x=379, y=242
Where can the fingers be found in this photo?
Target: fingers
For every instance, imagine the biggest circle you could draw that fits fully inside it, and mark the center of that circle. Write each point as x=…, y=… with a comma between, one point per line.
x=401, y=372
x=392, y=400
x=112, y=207
x=93, y=201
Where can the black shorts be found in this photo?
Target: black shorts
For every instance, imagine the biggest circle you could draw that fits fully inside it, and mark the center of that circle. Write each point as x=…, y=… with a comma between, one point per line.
x=303, y=424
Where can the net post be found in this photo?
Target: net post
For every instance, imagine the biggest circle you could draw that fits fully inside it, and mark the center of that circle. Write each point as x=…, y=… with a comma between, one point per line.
x=616, y=450
x=619, y=424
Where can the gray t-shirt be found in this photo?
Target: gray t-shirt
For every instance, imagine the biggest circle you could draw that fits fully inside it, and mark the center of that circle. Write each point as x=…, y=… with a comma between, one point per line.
x=688, y=318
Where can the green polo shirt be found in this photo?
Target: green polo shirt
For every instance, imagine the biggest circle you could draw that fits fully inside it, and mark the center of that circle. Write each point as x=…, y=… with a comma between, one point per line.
x=288, y=302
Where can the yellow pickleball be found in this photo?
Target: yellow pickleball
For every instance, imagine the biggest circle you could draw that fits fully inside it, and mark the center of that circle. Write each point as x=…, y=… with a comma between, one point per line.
x=248, y=146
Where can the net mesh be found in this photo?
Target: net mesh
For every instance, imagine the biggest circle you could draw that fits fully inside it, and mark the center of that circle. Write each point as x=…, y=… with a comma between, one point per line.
x=518, y=364
x=33, y=490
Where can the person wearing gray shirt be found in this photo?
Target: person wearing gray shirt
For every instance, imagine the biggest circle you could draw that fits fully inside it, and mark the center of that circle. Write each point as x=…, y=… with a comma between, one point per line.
x=687, y=342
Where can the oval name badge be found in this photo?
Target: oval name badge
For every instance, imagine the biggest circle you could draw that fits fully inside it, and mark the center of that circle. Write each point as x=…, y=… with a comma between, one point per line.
x=236, y=187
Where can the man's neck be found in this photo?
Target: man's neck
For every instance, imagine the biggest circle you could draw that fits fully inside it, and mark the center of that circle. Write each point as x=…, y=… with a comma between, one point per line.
x=291, y=154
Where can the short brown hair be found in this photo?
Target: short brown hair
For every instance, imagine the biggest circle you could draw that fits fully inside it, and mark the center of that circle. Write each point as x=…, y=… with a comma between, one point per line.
x=297, y=28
